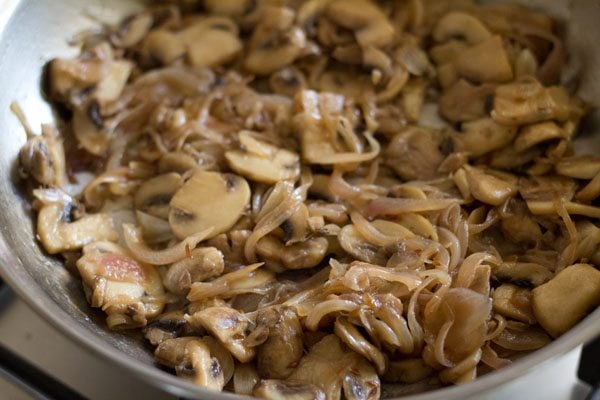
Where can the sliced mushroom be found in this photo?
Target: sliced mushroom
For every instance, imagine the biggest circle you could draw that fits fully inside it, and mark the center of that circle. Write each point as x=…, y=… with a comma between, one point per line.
x=464, y=101
x=491, y=187
x=527, y=101
x=43, y=158
x=275, y=42
x=229, y=326
x=513, y=302
x=485, y=62
x=169, y=325
x=177, y=161
x=416, y=153
x=59, y=233
x=263, y=162
x=287, y=81
x=163, y=46
x=361, y=383
x=370, y=25
x=522, y=338
x=272, y=389
x=245, y=378
x=306, y=254
x=579, y=167
x=211, y=42
x=355, y=244
x=447, y=52
x=128, y=291
x=153, y=196
x=67, y=78
x=279, y=355
x=203, y=263
x=230, y=8
x=564, y=300
x=208, y=199
x=245, y=280
x=133, y=30
x=192, y=360
x=113, y=82
x=517, y=272
x=461, y=25
x=535, y=134
x=90, y=130
x=482, y=136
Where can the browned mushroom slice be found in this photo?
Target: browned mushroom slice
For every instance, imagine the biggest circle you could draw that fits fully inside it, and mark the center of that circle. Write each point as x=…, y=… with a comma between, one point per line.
x=90, y=130
x=461, y=25
x=464, y=101
x=527, y=101
x=272, y=389
x=287, y=81
x=535, y=134
x=522, y=337
x=211, y=41
x=193, y=360
x=43, y=158
x=326, y=365
x=163, y=46
x=59, y=233
x=208, y=199
x=416, y=153
x=168, y=325
x=563, y=301
x=447, y=52
x=177, y=161
x=485, y=62
x=278, y=356
x=153, y=196
x=513, y=302
x=113, y=82
x=229, y=326
x=245, y=378
x=245, y=280
x=531, y=273
x=483, y=136
x=68, y=76
x=275, y=42
x=128, y=291
x=370, y=25
x=306, y=254
x=133, y=30
x=579, y=167
x=546, y=188
x=491, y=187
x=203, y=263
x=263, y=162
x=230, y=8
x=361, y=382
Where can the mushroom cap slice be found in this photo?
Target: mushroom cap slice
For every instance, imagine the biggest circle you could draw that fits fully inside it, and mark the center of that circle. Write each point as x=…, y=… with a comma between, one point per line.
x=263, y=162
x=213, y=47
x=272, y=389
x=154, y=194
x=208, y=199
x=463, y=25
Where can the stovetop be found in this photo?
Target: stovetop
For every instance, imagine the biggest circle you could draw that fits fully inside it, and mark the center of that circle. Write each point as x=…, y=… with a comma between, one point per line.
x=26, y=334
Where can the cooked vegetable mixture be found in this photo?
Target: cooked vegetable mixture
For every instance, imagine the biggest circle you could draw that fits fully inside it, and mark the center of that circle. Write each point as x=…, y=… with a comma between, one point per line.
x=312, y=199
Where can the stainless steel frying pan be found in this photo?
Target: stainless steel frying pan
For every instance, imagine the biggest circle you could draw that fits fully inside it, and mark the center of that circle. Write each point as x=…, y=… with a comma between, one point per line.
x=32, y=32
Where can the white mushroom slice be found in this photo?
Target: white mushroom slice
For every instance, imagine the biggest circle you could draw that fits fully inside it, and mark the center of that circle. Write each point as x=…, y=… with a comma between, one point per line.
x=177, y=161
x=272, y=389
x=370, y=25
x=535, y=134
x=491, y=187
x=229, y=326
x=483, y=136
x=203, y=263
x=513, y=302
x=527, y=101
x=128, y=291
x=153, y=196
x=163, y=46
x=208, y=199
x=193, y=360
x=269, y=165
x=560, y=303
x=461, y=25
x=43, y=158
x=279, y=355
x=57, y=233
x=579, y=167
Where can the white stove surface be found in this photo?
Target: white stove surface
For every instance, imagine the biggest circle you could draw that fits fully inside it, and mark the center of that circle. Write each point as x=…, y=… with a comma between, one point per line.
x=27, y=334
